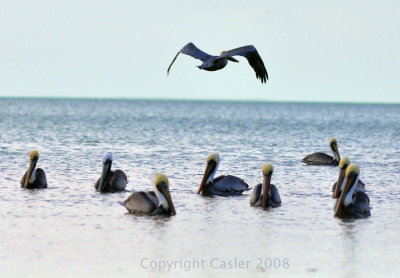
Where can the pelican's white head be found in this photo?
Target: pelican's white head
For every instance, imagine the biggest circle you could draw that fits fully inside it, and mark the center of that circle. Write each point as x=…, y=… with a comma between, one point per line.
x=107, y=157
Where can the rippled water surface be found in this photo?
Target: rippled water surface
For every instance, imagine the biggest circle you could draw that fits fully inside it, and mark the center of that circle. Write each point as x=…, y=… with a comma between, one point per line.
x=69, y=230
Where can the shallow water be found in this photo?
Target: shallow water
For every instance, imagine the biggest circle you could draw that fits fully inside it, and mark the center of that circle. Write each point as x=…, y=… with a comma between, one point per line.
x=69, y=230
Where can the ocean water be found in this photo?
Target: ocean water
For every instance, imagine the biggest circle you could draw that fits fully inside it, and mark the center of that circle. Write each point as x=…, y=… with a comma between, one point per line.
x=69, y=230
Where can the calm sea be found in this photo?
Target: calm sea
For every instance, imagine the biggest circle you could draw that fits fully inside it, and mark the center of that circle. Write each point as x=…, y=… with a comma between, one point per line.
x=69, y=230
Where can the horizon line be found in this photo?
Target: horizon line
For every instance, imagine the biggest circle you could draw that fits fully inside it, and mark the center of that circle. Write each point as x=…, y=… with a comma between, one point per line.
x=196, y=100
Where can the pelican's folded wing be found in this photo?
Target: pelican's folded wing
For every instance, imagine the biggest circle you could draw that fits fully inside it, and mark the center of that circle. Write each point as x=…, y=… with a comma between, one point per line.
x=255, y=194
x=41, y=179
x=119, y=180
x=141, y=202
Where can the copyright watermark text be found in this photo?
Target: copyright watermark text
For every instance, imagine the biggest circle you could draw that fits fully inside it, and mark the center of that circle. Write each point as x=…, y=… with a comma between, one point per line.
x=188, y=264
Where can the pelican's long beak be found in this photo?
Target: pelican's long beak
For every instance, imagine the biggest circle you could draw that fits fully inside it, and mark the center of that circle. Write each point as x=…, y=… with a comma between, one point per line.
x=348, y=183
x=163, y=188
x=210, y=168
x=339, y=182
x=232, y=59
x=32, y=165
x=104, y=175
x=265, y=189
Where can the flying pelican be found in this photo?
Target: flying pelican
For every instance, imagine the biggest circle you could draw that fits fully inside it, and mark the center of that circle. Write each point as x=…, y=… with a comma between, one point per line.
x=213, y=63
x=222, y=185
x=324, y=159
x=343, y=164
x=110, y=181
x=34, y=178
x=352, y=203
x=158, y=201
x=266, y=194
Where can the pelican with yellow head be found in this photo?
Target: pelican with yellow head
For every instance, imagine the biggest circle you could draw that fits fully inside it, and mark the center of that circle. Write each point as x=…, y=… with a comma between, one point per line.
x=320, y=158
x=352, y=203
x=110, y=181
x=343, y=164
x=222, y=185
x=265, y=195
x=154, y=202
x=34, y=177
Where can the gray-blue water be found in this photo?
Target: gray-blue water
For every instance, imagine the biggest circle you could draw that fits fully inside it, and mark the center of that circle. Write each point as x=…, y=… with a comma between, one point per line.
x=69, y=230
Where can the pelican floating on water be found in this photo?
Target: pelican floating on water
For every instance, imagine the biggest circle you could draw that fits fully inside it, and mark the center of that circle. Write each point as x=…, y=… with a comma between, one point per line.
x=324, y=159
x=222, y=185
x=343, y=164
x=213, y=63
x=352, y=203
x=266, y=194
x=34, y=177
x=158, y=201
x=110, y=181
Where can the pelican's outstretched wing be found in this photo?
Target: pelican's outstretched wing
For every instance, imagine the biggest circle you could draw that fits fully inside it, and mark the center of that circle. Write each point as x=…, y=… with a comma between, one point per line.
x=191, y=50
x=255, y=61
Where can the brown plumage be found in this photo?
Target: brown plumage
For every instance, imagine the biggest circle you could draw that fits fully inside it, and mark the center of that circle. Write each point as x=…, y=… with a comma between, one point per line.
x=115, y=181
x=265, y=194
x=34, y=178
x=352, y=203
x=39, y=182
x=110, y=181
x=154, y=202
x=319, y=158
x=222, y=185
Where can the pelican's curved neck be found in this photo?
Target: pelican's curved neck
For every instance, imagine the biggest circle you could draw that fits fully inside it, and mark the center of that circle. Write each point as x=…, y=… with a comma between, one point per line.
x=162, y=201
x=32, y=172
x=210, y=178
x=335, y=153
x=104, y=175
x=339, y=183
x=33, y=176
x=265, y=190
x=349, y=196
x=336, y=156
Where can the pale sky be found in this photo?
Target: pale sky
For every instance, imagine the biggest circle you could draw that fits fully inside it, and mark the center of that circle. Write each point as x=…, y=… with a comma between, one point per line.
x=313, y=50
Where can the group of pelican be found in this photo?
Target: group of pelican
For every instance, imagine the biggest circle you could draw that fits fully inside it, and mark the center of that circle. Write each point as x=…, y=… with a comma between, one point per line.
x=349, y=190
